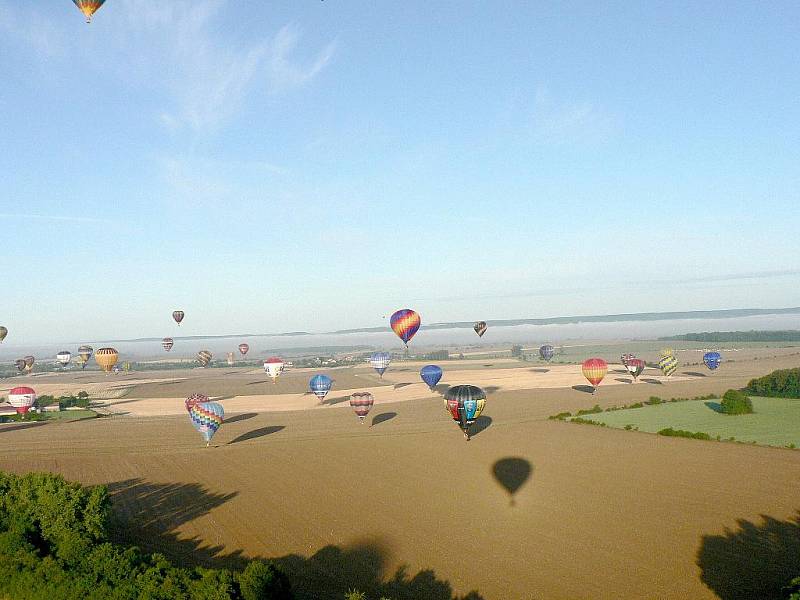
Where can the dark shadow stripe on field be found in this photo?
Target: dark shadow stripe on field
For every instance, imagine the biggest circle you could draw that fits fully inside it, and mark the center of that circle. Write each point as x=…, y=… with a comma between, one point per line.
x=241, y=417
x=583, y=388
x=257, y=433
x=377, y=419
x=6, y=427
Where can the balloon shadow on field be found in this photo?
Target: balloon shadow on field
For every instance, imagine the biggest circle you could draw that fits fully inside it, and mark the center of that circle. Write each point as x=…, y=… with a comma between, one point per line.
x=717, y=408
x=259, y=382
x=491, y=389
x=337, y=400
x=752, y=562
x=481, y=424
x=588, y=389
x=397, y=386
x=694, y=374
x=512, y=473
x=653, y=381
x=621, y=380
x=240, y=417
x=150, y=515
x=383, y=417
x=441, y=388
x=540, y=370
x=257, y=433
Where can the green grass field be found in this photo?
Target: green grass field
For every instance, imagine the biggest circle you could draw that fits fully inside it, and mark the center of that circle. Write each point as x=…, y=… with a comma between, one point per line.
x=774, y=422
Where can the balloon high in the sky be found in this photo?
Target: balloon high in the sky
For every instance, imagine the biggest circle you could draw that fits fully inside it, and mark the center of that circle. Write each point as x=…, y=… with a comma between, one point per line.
x=204, y=357
x=405, y=323
x=712, y=360
x=3, y=332
x=361, y=403
x=88, y=7
x=320, y=385
x=465, y=403
x=547, y=352
x=635, y=366
x=167, y=344
x=668, y=364
x=64, y=357
x=85, y=353
x=594, y=369
x=273, y=367
x=243, y=349
x=480, y=328
x=22, y=398
x=431, y=374
x=380, y=362
x=178, y=316
x=106, y=358
x=207, y=418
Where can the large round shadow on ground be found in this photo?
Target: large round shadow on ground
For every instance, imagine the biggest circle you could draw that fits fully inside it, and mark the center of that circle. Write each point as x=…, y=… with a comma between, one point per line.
x=512, y=473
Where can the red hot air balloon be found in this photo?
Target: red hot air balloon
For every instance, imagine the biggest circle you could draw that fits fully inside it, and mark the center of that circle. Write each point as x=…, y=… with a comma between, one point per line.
x=405, y=323
x=594, y=369
x=22, y=398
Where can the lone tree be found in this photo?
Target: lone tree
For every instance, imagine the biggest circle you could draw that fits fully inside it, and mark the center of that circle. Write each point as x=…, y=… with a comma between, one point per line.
x=735, y=402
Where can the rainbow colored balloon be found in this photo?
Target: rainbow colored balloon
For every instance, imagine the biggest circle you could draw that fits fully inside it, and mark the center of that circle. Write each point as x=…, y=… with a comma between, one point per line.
x=405, y=323
x=207, y=418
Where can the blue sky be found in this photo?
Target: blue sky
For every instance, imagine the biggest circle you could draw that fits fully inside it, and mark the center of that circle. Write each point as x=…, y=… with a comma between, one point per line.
x=308, y=165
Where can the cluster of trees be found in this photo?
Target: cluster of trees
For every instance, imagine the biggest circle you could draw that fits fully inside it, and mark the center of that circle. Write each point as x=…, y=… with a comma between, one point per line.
x=54, y=543
x=735, y=402
x=784, y=383
x=737, y=336
x=81, y=400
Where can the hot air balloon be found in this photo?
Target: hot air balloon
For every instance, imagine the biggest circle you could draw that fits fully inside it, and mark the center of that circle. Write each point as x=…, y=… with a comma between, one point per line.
x=594, y=369
x=712, y=360
x=167, y=344
x=20, y=364
x=207, y=418
x=635, y=366
x=547, y=352
x=380, y=362
x=361, y=403
x=195, y=399
x=178, y=316
x=405, y=323
x=85, y=353
x=480, y=328
x=666, y=352
x=204, y=358
x=273, y=367
x=106, y=358
x=230, y=359
x=29, y=360
x=3, y=333
x=22, y=398
x=668, y=364
x=465, y=403
x=243, y=348
x=64, y=357
x=625, y=358
x=320, y=385
x=88, y=7
x=431, y=374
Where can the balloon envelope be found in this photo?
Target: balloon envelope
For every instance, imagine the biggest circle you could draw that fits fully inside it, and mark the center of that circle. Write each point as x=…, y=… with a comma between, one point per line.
x=431, y=374
x=106, y=358
x=361, y=402
x=320, y=385
x=88, y=7
x=594, y=369
x=22, y=398
x=178, y=316
x=547, y=352
x=480, y=328
x=668, y=364
x=64, y=357
x=195, y=399
x=405, y=323
x=207, y=418
x=3, y=333
x=625, y=358
x=167, y=343
x=380, y=362
x=712, y=360
x=465, y=403
x=635, y=366
x=204, y=357
x=273, y=367
x=243, y=349
x=20, y=364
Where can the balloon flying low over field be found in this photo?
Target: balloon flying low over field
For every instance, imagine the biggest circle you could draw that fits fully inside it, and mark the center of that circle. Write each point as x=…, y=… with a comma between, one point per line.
x=594, y=369
x=167, y=343
x=64, y=357
x=243, y=349
x=273, y=367
x=106, y=358
x=85, y=353
x=547, y=352
x=320, y=385
x=405, y=323
x=712, y=360
x=204, y=357
x=29, y=360
x=465, y=403
x=362, y=403
x=195, y=399
x=431, y=374
x=635, y=366
x=22, y=398
x=380, y=362
x=668, y=364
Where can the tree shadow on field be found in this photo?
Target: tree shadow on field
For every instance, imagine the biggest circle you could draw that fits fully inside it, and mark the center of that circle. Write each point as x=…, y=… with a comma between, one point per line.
x=240, y=417
x=17, y=426
x=587, y=389
x=753, y=562
x=383, y=417
x=257, y=433
x=717, y=407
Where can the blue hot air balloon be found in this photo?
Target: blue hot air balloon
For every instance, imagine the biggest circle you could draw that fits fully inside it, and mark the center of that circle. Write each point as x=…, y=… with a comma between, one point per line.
x=431, y=374
x=712, y=360
x=380, y=362
x=547, y=352
x=320, y=385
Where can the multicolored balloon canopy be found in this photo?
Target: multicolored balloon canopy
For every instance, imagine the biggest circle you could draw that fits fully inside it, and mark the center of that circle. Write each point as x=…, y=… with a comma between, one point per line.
x=195, y=399
x=167, y=343
x=178, y=316
x=547, y=352
x=594, y=369
x=405, y=323
x=480, y=328
x=64, y=357
x=85, y=353
x=362, y=403
x=625, y=358
x=635, y=366
x=712, y=360
x=204, y=358
x=668, y=364
x=431, y=375
x=320, y=385
x=20, y=364
x=88, y=7
x=243, y=349
x=22, y=398
x=380, y=362
x=273, y=367
x=207, y=418
x=106, y=358
x=465, y=403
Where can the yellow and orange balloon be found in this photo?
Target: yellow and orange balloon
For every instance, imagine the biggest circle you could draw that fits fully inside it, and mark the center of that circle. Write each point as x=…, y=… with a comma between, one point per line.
x=88, y=7
x=106, y=358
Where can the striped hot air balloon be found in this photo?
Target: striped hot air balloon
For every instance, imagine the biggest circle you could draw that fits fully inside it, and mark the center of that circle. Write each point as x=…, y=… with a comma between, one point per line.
x=106, y=358
x=195, y=399
x=85, y=353
x=405, y=323
x=29, y=360
x=64, y=357
x=380, y=362
x=207, y=418
x=167, y=343
x=243, y=349
x=320, y=385
x=625, y=358
x=668, y=364
x=204, y=358
x=22, y=398
x=178, y=316
x=480, y=328
x=88, y=7
x=361, y=402
x=635, y=366
x=465, y=403
x=547, y=352
x=273, y=367
x=712, y=360
x=3, y=333
x=431, y=375
x=594, y=369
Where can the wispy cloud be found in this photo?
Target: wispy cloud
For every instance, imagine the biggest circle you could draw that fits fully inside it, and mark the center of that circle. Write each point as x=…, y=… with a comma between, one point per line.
x=559, y=121
x=39, y=35
x=283, y=71
x=67, y=218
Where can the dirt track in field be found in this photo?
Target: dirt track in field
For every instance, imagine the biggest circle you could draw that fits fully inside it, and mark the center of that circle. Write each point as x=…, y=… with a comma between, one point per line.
x=604, y=513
